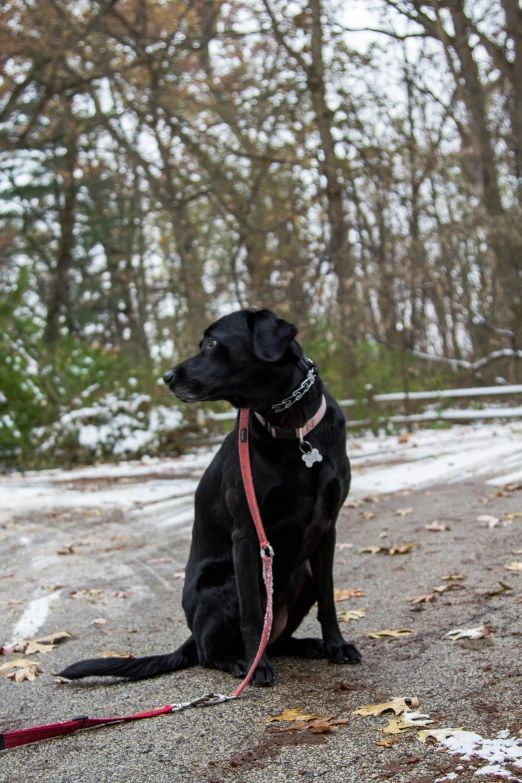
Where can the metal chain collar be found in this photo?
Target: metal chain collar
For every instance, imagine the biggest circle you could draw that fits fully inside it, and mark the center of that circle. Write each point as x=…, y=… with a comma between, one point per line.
x=297, y=393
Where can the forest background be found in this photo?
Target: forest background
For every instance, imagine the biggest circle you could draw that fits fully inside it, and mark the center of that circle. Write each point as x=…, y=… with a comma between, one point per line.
x=356, y=166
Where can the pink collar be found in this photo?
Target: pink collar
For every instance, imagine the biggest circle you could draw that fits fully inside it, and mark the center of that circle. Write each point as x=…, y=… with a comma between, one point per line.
x=300, y=432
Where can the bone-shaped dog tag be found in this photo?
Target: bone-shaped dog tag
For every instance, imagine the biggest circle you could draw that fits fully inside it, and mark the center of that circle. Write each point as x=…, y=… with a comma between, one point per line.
x=311, y=457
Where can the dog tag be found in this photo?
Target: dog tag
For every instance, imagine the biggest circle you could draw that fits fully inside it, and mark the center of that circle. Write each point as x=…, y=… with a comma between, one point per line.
x=310, y=457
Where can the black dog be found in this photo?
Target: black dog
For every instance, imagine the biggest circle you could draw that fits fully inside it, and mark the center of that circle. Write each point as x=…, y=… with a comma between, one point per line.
x=251, y=359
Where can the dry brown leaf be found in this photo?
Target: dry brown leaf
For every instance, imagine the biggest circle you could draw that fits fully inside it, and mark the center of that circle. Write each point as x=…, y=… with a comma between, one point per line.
x=50, y=588
x=344, y=595
x=370, y=550
x=120, y=594
x=443, y=588
x=436, y=526
x=515, y=515
x=452, y=577
x=404, y=437
x=480, y=632
x=92, y=512
x=99, y=621
x=90, y=594
x=295, y=714
x=44, y=644
x=517, y=551
x=353, y=503
x=401, y=550
x=385, y=743
x=395, y=727
x=393, y=634
x=68, y=549
x=344, y=546
x=404, y=512
x=23, y=669
x=351, y=614
x=422, y=599
x=398, y=705
x=367, y=514
x=516, y=565
x=437, y=734
x=502, y=588
x=324, y=725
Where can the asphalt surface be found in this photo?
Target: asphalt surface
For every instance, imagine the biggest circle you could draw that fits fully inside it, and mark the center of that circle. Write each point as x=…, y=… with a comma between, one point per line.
x=475, y=684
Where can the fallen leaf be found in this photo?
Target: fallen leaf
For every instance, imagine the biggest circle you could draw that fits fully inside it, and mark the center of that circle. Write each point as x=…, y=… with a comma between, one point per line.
x=436, y=527
x=437, y=734
x=23, y=670
x=179, y=574
x=515, y=515
x=353, y=503
x=398, y=705
x=68, y=549
x=372, y=499
x=385, y=743
x=109, y=654
x=394, y=727
x=367, y=514
x=44, y=644
x=404, y=437
x=409, y=720
x=480, y=632
x=370, y=550
x=452, y=577
x=120, y=594
x=295, y=714
x=517, y=551
x=393, y=634
x=344, y=595
x=90, y=593
x=92, y=512
x=99, y=621
x=401, y=550
x=351, y=614
x=443, y=588
x=489, y=520
x=344, y=546
x=50, y=588
x=516, y=565
x=324, y=725
x=502, y=588
x=404, y=512
x=422, y=599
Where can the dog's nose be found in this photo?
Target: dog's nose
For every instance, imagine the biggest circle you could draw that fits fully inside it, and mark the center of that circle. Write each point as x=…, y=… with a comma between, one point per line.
x=169, y=375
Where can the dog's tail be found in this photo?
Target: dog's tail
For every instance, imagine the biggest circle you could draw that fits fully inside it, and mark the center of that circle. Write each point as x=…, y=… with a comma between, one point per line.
x=135, y=668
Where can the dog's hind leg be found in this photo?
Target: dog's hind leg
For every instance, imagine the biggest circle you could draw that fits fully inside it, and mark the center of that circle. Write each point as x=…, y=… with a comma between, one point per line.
x=135, y=668
x=300, y=604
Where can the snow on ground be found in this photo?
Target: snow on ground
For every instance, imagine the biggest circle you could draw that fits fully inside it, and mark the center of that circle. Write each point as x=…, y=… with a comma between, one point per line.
x=380, y=464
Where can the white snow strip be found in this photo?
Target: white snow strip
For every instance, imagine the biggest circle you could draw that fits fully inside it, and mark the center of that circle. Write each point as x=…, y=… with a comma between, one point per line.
x=34, y=616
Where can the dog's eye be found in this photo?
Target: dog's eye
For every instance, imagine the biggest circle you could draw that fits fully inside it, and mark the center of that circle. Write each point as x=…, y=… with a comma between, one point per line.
x=210, y=343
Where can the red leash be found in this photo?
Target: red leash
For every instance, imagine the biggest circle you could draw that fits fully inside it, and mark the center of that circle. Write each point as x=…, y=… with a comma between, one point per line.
x=13, y=739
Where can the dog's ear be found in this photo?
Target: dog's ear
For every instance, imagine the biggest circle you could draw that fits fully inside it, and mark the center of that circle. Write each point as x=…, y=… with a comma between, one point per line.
x=271, y=335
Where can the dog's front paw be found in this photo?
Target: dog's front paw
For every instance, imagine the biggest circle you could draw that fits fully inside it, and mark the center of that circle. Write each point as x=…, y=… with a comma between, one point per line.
x=263, y=675
x=342, y=653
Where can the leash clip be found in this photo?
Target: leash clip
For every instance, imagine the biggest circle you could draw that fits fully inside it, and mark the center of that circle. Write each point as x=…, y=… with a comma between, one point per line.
x=267, y=551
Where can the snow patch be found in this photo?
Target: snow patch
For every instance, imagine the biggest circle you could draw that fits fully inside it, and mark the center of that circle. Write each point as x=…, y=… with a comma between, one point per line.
x=34, y=617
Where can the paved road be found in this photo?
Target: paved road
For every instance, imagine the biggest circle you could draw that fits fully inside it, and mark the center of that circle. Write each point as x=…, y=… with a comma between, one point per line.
x=135, y=559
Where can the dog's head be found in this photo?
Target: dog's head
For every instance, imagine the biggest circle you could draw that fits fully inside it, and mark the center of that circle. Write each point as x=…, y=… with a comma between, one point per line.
x=247, y=358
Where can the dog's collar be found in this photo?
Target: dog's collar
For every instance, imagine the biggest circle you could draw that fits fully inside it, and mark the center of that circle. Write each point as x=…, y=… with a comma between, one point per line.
x=307, y=366
x=291, y=432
